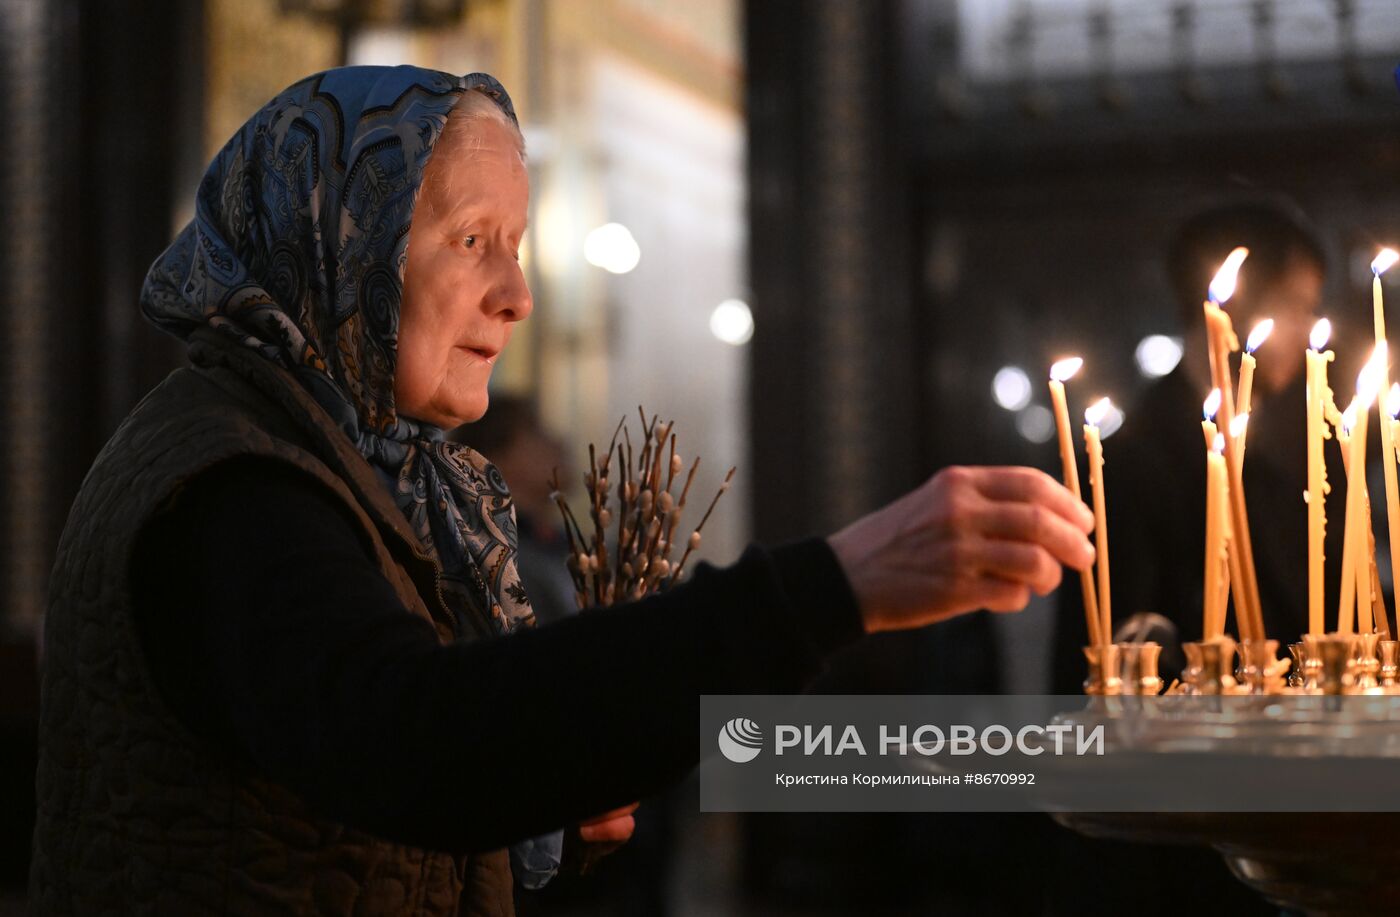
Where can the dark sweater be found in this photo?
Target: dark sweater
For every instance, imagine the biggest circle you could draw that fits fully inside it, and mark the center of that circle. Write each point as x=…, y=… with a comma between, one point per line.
x=271, y=634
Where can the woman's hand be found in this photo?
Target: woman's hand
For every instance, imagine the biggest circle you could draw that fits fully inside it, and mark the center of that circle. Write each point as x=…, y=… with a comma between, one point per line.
x=612, y=828
x=594, y=839
x=969, y=538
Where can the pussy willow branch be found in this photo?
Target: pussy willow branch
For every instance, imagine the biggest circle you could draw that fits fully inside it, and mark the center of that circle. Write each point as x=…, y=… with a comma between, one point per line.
x=648, y=515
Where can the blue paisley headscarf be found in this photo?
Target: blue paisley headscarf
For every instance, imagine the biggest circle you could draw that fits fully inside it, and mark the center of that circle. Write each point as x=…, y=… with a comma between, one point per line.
x=297, y=250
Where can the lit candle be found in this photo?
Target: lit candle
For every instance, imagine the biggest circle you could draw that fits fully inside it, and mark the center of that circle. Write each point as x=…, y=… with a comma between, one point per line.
x=1213, y=601
x=1392, y=406
x=1383, y=261
x=1221, y=336
x=1257, y=337
x=1208, y=411
x=1092, y=442
x=1060, y=372
x=1355, y=565
x=1222, y=593
x=1370, y=613
x=1244, y=403
x=1318, y=488
x=1347, y=604
x=1353, y=590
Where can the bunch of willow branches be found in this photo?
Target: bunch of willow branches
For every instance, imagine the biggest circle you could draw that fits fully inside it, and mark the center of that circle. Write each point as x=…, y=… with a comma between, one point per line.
x=647, y=517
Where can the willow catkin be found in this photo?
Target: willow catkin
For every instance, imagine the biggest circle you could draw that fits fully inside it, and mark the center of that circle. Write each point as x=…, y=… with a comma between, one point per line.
x=646, y=510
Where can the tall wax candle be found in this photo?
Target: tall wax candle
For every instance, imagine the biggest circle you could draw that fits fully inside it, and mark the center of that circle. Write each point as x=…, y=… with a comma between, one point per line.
x=1209, y=409
x=1094, y=445
x=1231, y=575
x=1222, y=341
x=1346, y=605
x=1366, y=580
x=1383, y=261
x=1392, y=405
x=1060, y=372
x=1214, y=614
x=1355, y=563
x=1245, y=403
x=1363, y=588
x=1318, y=488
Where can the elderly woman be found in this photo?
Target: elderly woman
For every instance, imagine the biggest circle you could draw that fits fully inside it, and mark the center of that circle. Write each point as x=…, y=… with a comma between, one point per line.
x=289, y=665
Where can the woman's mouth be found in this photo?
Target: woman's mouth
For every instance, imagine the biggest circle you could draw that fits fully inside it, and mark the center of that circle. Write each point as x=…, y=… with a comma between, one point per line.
x=484, y=354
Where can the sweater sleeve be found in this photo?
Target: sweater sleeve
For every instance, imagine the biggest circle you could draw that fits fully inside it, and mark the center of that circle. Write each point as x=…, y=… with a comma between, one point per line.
x=271, y=634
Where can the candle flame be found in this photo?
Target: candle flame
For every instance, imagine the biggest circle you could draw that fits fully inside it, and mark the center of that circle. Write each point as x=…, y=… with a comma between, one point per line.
x=1212, y=404
x=1218, y=446
x=1066, y=368
x=1392, y=401
x=1239, y=425
x=1349, y=416
x=1259, y=335
x=1097, y=412
x=1222, y=286
x=1384, y=261
x=1321, y=333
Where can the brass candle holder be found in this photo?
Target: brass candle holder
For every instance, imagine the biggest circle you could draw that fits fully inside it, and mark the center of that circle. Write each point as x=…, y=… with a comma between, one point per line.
x=1299, y=654
x=1366, y=667
x=1335, y=663
x=1389, y=653
x=1260, y=670
x=1208, y=666
x=1104, y=676
x=1138, y=668
x=1312, y=663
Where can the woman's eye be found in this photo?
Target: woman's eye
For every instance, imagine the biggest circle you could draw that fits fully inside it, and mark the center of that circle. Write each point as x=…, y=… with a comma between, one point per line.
x=469, y=242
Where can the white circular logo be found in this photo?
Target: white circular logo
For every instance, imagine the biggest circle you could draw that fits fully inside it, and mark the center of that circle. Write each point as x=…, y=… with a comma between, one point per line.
x=740, y=740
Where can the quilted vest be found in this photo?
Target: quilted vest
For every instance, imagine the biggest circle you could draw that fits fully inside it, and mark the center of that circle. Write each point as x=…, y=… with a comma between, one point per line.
x=135, y=814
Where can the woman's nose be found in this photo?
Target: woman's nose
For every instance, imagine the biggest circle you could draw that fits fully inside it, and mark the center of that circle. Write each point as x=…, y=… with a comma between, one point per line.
x=510, y=295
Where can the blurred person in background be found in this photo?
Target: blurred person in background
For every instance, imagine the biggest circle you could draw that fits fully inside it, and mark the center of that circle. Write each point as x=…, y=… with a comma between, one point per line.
x=289, y=664
x=1155, y=473
x=1156, y=464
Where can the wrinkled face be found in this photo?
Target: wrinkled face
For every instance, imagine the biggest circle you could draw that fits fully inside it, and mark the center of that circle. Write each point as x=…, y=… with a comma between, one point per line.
x=463, y=287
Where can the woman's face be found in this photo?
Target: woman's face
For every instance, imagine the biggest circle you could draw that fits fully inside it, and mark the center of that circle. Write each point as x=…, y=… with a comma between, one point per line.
x=463, y=286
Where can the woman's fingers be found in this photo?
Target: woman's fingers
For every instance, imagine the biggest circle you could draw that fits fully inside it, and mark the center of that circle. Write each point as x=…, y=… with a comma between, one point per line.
x=1033, y=524
x=1029, y=485
x=1019, y=563
x=612, y=830
x=611, y=814
x=996, y=594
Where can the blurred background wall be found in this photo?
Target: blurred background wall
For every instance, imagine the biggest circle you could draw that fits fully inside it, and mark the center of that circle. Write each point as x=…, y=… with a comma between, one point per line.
x=838, y=241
